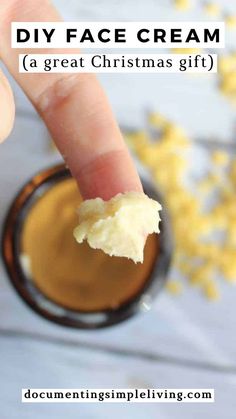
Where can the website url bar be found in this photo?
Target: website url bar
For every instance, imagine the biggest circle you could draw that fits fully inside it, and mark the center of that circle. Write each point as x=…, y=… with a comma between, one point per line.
x=127, y=395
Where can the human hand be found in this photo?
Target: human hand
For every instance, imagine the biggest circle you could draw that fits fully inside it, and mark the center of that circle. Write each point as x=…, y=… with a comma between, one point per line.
x=74, y=108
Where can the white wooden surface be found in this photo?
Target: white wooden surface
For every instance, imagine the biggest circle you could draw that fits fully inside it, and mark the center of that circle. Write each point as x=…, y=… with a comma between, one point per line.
x=182, y=342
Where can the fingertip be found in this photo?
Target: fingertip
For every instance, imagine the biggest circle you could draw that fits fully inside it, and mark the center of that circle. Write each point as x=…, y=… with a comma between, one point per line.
x=108, y=175
x=7, y=108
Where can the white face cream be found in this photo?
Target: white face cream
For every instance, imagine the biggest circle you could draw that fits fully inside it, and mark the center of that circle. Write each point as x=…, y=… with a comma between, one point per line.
x=119, y=226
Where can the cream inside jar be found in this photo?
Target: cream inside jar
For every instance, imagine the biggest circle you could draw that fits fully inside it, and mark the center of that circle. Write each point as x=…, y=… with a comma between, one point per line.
x=74, y=275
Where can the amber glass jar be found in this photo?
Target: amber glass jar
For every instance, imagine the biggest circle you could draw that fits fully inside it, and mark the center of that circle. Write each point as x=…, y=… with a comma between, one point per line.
x=67, y=283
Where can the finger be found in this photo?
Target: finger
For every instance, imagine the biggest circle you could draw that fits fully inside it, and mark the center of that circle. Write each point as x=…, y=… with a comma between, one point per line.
x=7, y=108
x=76, y=111
x=79, y=116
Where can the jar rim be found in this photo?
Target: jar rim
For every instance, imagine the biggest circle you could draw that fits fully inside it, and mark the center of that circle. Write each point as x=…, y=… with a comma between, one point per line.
x=42, y=305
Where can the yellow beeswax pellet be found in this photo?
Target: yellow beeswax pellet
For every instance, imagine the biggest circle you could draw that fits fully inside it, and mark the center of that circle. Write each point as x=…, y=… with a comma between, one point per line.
x=209, y=251
x=186, y=50
x=228, y=83
x=230, y=21
x=210, y=290
x=148, y=157
x=206, y=185
x=212, y=9
x=204, y=224
x=182, y=5
x=227, y=70
x=174, y=287
x=227, y=264
x=184, y=267
x=217, y=219
x=137, y=139
x=157, y=120
x=187, y=244
x=201, y=274
x=213, y=180
x=232, y=173
x=229, y=273
x=227, y=63
x=175, y=134
x=166, y=158
x=231, y=236
x=220, y=157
